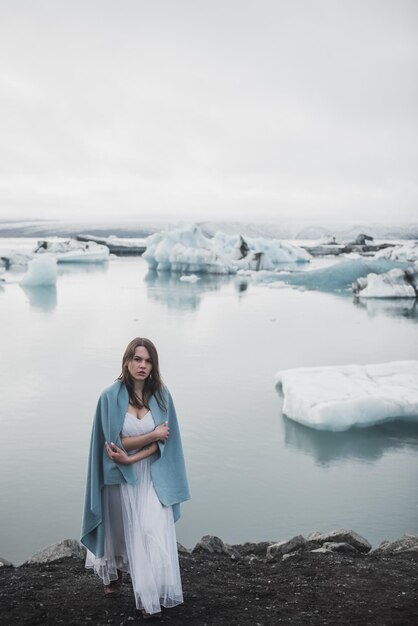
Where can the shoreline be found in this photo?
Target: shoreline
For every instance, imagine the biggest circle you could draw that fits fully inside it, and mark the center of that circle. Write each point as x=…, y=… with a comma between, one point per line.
x=330, y=578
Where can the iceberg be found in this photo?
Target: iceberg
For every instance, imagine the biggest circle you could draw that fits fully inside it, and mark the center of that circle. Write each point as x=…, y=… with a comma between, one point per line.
x=15, y=258
x=337, y=277
x=64, y=251
x=120, y=246
x=187, y=250
x=72, y=251
x=338, y=398
x=402, y=252
x=42, y=272
x=396, y=283
x=257, y=253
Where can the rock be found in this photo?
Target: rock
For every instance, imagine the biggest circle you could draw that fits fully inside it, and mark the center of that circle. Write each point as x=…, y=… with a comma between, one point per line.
x=342, y=536
x=340, y=547
x=251, y=548
x=289, y=555
x=277, y=550
x=330, y=546
x=322, y=550
x=5, y=563
x=181, y=549
x=406, y=543
x=213, y=545
x=63, y=549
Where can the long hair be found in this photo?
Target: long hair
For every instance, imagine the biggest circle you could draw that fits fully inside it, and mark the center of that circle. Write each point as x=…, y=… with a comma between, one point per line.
x=153, y=385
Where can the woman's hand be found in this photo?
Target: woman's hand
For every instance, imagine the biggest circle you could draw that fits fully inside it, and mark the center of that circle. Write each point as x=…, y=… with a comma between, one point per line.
x=117, y=454
x=162, y=432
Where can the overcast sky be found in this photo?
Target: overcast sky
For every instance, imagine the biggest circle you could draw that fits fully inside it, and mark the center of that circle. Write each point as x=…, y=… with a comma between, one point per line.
x=240, y=109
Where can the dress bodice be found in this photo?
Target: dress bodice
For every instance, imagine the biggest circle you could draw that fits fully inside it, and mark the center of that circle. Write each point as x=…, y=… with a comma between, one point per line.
x=132, y=426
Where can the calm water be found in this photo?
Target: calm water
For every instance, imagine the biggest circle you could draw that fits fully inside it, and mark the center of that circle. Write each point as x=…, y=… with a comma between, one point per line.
x=254, y=474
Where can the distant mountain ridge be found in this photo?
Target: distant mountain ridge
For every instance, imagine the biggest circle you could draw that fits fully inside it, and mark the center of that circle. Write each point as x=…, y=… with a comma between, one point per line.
x=342, y=231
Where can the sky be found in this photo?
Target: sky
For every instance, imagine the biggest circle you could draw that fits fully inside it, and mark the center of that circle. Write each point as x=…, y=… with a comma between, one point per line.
x=209, y=109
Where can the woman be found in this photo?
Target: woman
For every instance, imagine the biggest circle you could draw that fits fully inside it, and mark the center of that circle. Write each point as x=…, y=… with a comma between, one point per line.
x=136, y=481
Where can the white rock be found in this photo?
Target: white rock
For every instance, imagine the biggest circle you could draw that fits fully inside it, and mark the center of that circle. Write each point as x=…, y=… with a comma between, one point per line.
x=63, y=549
x=277, y=550
x=406, y=543
x=339, y=537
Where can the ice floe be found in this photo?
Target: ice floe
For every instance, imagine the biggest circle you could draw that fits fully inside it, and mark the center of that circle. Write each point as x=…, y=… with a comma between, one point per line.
x=186, y=249
x=120, y=246
x=340, y=397
x=72, y=251
x=15, y=258
x=402, y=252
x=42, y=272
x=337, y=277
x=64, y=251
x=189, y=278
x=396, y=283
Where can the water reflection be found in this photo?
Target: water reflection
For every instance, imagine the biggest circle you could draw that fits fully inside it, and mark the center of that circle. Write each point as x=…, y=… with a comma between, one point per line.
x=168, y=289
x=392, y=307
x=82, y=268
x=241, y=285
x=43, y=298
x=362, y=444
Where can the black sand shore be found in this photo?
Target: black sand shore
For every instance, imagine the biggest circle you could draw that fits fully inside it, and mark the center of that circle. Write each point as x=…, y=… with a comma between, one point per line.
x=306, y=589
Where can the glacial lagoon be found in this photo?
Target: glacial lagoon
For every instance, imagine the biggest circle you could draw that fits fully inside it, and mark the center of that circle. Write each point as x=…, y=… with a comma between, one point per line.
x=254, y=474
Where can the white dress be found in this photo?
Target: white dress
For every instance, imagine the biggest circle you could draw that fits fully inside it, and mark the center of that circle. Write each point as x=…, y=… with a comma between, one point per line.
x=140, y=537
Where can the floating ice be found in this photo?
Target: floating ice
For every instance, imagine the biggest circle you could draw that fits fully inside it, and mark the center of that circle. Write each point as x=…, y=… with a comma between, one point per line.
x=187, y=249
x=402, y=252
x=190, y=278
x=72, y=251
x=42, y=272
x=12, y=258
x=121, y=246
x=258, y=253
x=337, y=277
x=337, y=398
x=396, y=283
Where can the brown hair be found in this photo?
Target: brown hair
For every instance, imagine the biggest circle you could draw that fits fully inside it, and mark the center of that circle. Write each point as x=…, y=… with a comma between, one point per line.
x=153, y=385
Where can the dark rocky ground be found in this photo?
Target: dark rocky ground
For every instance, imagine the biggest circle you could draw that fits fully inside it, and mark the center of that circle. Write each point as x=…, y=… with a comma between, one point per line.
x=306, y=588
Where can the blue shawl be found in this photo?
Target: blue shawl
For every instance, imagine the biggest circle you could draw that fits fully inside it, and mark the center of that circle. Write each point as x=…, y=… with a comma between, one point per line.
x=168, y=472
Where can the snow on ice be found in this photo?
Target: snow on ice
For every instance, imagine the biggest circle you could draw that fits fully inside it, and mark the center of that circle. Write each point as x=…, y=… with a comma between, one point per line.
x=72, y=251
x=186, y=249
x=42, y=272
x=402, y=252
x=396, y=283
x=337, y=398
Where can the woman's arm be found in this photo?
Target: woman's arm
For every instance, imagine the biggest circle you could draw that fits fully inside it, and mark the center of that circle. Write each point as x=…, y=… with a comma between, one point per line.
x=119, y=456
x=160, y=433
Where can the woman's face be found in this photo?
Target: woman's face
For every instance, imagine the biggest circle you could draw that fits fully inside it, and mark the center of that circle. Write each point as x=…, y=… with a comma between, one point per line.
x=140, y=365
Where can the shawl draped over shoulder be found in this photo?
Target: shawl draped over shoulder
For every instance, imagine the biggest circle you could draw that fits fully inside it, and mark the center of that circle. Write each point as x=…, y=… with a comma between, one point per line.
x=168, y=472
